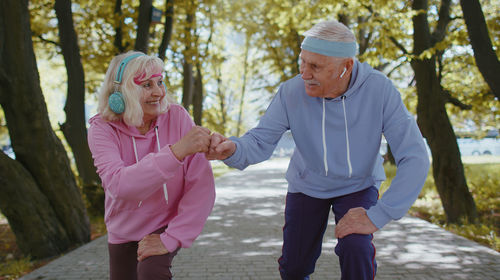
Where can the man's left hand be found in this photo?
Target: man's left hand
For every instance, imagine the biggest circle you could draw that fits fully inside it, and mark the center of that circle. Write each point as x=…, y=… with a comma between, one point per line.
x=354, y=221
x=150, y=245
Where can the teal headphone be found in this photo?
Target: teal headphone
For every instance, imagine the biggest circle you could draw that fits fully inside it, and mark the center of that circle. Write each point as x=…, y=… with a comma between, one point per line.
x=115, y=100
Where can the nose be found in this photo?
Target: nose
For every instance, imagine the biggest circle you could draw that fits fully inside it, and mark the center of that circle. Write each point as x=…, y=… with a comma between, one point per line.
x=305, y=72
x=159, y=90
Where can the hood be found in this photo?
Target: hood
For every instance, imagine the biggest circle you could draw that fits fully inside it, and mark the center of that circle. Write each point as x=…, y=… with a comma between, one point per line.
x=125, y=128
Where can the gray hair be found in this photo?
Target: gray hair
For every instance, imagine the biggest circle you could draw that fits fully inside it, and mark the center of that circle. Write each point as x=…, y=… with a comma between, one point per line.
x=331, y=31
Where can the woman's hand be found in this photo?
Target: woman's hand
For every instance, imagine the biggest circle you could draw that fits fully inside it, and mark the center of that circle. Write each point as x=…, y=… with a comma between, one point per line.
x=150, y=245
x=197, y=140
x=220, y=147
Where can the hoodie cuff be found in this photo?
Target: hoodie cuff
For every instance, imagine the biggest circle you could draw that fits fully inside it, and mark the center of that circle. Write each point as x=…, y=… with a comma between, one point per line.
x=378, y=217
x=170, y=243
x=235, y=157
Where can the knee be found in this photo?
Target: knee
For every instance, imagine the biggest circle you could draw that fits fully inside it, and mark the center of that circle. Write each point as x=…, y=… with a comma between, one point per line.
x=358, y=244
x=153, y=267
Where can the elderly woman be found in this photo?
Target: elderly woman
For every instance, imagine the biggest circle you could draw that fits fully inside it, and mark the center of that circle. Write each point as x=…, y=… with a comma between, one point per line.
x=149, y=154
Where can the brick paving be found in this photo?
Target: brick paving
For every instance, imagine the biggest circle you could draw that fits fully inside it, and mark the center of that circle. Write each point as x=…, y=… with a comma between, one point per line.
x=243, y=235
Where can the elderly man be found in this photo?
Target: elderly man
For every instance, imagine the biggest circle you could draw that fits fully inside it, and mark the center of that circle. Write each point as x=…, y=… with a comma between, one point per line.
x=337, y=110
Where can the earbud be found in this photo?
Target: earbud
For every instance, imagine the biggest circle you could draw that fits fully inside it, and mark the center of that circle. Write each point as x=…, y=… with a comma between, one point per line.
x=343, y=72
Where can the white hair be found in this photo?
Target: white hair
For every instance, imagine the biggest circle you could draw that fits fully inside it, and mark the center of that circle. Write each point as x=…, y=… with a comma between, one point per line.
x=144, y=66
x=331, y=31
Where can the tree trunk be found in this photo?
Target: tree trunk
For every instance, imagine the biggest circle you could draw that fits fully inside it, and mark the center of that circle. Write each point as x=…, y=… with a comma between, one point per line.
x=486, y=58
x=187, y=85
x=243, y=86
x=118, y=42
x=167, y=33
x=222, y=101
x=143, y=22
x=31, y=217
x=433, y=120
x=35, y=144
x=198, y=97
x=74, y=128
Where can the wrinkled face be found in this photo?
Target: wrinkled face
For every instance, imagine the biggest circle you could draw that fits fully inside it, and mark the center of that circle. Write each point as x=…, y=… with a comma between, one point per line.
x=153, y=92
x=320, y=74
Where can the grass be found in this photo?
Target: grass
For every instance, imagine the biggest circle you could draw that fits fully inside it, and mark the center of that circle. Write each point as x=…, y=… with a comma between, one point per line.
x=484, y=184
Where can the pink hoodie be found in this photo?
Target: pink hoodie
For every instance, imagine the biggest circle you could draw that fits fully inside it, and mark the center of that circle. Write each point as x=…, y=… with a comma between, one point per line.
x=135, y=200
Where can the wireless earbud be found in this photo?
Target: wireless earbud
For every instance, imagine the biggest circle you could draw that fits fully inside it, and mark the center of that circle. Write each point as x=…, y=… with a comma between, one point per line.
x=343, y=72
x=115, y=100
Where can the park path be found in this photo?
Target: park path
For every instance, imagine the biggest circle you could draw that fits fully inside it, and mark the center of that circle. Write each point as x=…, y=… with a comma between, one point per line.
x=243, y=235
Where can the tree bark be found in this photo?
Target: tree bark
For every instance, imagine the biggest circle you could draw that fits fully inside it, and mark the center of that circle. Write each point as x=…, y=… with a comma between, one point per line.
x=35, y=144
x=143, y=22
x=198, y=96
x=243, y=86
x=486, y=58
x=74, y=128
x=167, y=32
x=118, y=42
x=433, y=120
x=31, y=217
x=187, y=83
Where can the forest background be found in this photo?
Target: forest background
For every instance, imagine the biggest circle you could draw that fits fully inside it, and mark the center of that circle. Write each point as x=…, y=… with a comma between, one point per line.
x=224, y=61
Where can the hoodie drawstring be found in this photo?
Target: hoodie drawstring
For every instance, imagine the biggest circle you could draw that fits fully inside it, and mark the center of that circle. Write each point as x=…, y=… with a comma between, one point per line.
x=347, y=138
x=165, y=192
x=137, y=160
x=325, y=162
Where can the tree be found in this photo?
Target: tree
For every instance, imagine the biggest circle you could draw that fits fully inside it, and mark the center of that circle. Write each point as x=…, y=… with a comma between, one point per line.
x=41, y=169
x=433, y=119
x=486, y=58
x=143, y=22
x=168, y=25
x=74, y=128
x=118, y=42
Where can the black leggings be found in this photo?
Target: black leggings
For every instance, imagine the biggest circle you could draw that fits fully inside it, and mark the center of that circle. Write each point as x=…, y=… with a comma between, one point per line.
x=123, y=264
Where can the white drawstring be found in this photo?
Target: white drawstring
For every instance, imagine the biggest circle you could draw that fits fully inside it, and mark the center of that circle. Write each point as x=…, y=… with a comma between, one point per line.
x=346, y=138
x=164, y=185
x=325, y=162
x=136, y=160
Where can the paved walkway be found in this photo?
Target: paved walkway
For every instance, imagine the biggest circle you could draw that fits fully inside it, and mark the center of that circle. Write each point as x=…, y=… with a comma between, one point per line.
x=242, y=240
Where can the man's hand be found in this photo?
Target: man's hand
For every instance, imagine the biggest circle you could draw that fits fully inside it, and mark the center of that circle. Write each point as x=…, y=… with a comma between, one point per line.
x=150, y=245
x=220, y=147
x=354, y=221
x=197, y=140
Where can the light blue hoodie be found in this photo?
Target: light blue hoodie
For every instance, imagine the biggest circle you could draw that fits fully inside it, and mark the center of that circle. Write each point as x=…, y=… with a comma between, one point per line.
x=338, y=141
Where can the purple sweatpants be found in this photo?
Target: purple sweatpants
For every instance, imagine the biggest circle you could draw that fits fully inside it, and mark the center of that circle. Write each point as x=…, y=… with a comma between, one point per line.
x=306, y=219
x=123, y=264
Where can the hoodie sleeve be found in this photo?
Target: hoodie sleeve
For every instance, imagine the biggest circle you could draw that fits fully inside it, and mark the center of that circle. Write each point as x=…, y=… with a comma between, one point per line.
x=259, y=143
x=197, y=199
x=410, y=153
x=121, y=181
x=195, y=205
